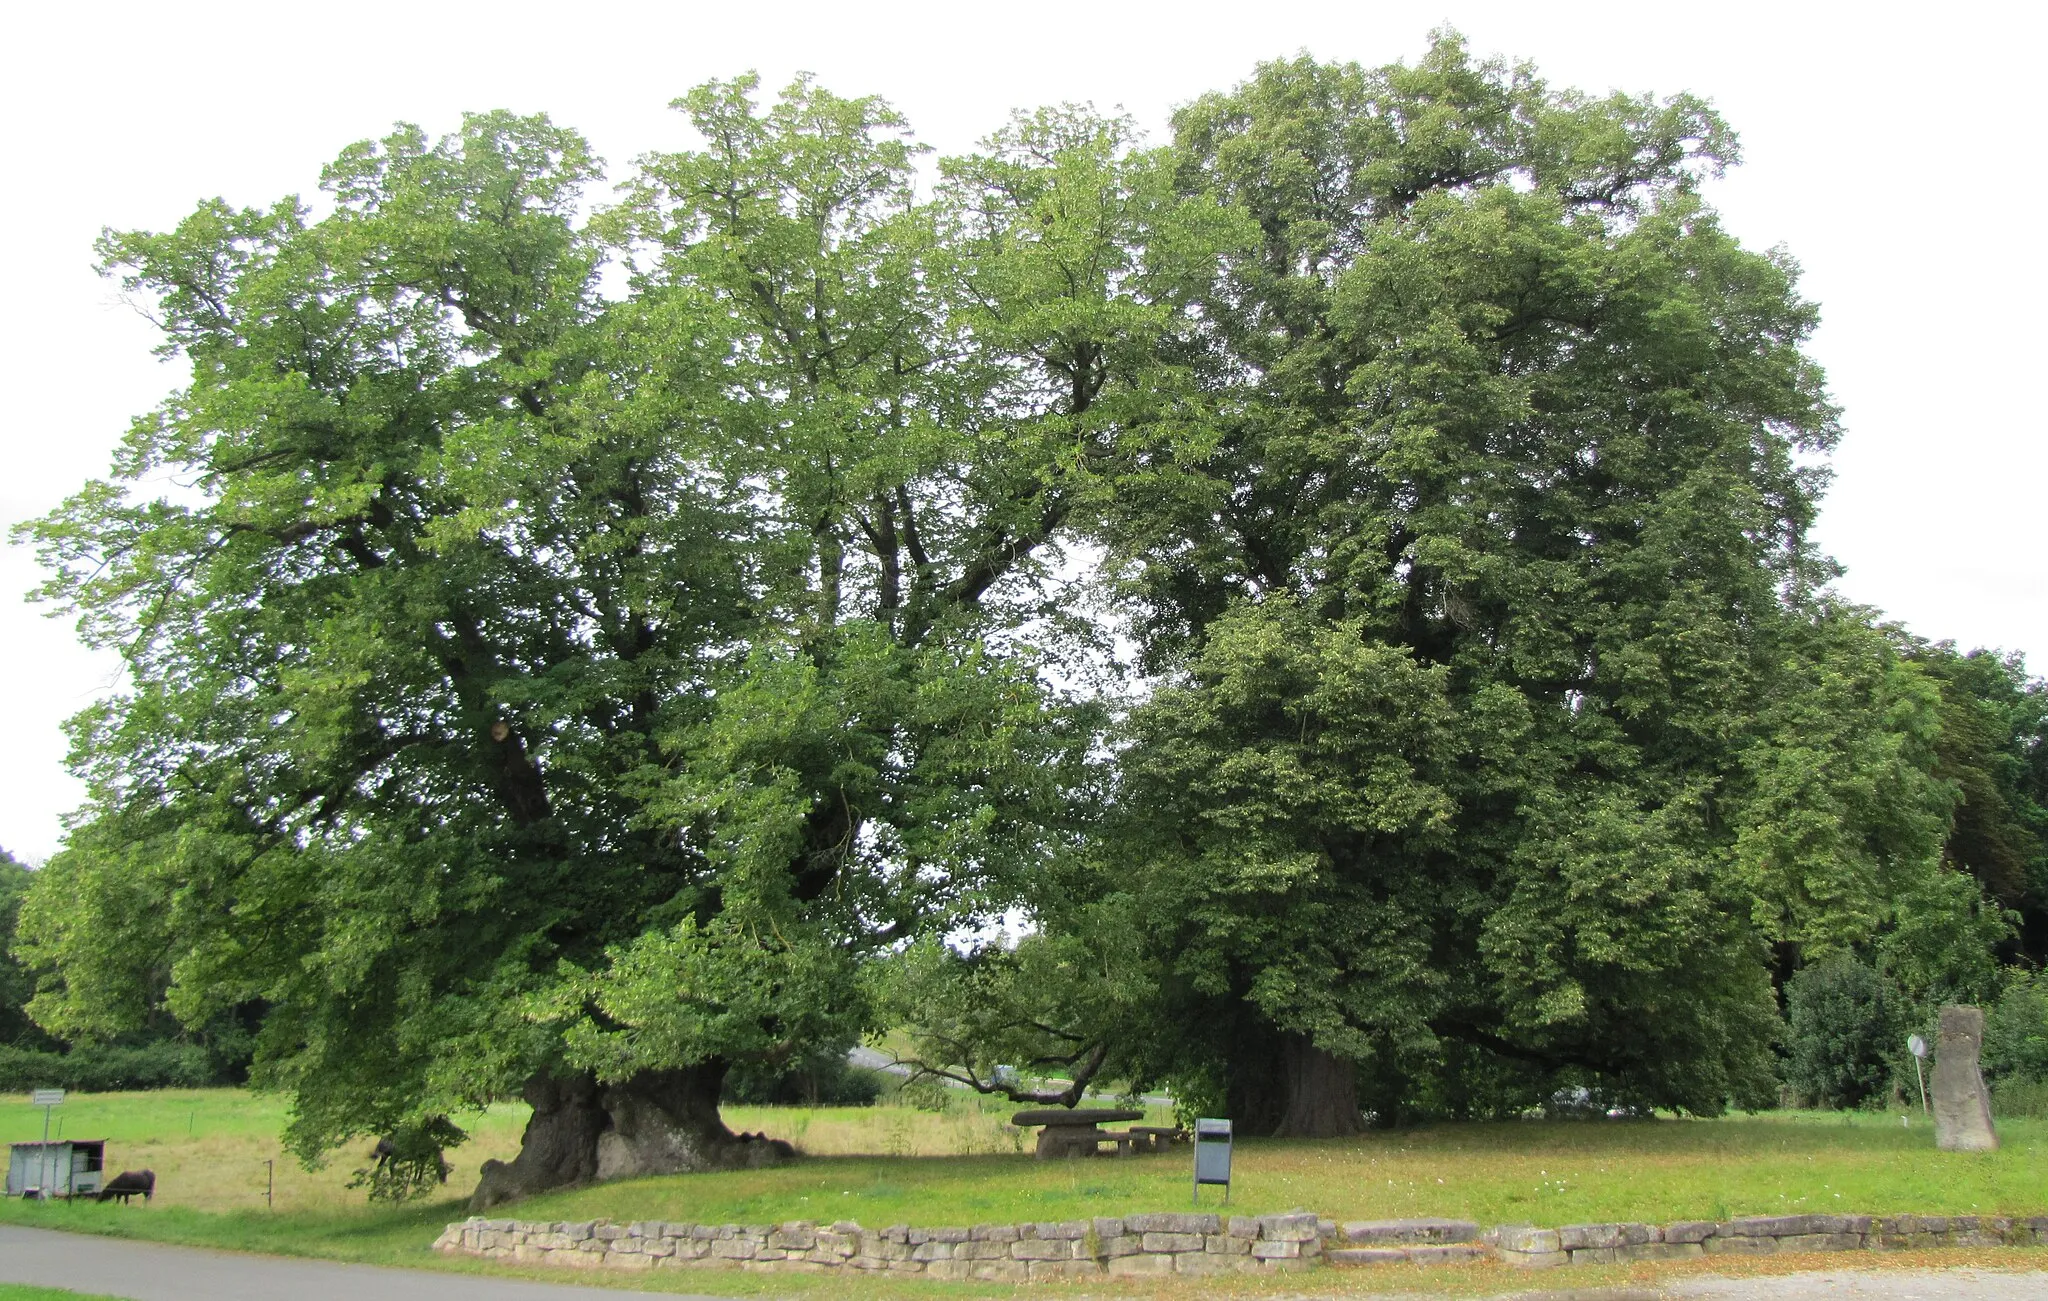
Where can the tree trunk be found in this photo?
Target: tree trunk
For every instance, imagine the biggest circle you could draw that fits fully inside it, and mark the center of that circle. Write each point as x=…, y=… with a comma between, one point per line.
x=1322, y=1092
x=656, y=1122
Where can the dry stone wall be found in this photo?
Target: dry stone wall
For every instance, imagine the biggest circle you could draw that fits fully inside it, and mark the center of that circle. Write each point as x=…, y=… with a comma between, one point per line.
x=1196, y=1243
x=1130, y=1244
x=1756, y=1235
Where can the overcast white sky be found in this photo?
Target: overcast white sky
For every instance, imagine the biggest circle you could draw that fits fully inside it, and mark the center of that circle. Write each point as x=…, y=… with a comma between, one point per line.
x=1893, y=151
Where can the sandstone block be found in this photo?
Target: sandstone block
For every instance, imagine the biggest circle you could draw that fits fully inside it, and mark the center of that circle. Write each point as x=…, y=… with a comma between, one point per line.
x=1573, y=1237
x=1141, y=1264
x=1040, y=1249
x=1527, y=1238
x=1444, y=1253
x=1535, y=1259
x=1224, y=1244
x=1173, y=1223
x=1280, y=1249
x=1367, y=1233
x=1366, y=1255
x=1284, y=1265
x=1739, y=1245
x=1001, y=1271
x=1287, y=1228
x=1171, y=1242
x=1040, y=1270
x=836, y=1243
x=1689, y=1231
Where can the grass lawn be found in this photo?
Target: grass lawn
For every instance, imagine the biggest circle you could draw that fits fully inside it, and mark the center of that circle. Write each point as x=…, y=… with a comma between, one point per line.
x=886, y=1165
x=23, y=1292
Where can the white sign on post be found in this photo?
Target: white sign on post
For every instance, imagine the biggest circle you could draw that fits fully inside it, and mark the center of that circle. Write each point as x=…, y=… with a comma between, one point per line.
x=46, y=1099
x=1918, y=1047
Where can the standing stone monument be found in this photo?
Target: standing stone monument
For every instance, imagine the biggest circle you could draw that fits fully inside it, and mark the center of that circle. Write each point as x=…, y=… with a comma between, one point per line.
x=1962, y=1107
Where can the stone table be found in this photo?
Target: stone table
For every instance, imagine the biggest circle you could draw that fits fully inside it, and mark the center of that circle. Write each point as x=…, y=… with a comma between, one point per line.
x=1071, y=1131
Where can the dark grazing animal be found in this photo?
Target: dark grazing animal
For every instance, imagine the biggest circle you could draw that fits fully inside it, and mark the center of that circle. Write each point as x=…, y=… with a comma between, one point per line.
x=127, y=1184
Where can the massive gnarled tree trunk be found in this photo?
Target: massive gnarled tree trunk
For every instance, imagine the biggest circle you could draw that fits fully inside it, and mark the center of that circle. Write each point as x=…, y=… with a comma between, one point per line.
x=1322, y=1092
x=656, y=1122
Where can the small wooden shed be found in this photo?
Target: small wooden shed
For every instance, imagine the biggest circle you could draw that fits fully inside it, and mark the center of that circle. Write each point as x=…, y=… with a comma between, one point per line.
x=65, y=1167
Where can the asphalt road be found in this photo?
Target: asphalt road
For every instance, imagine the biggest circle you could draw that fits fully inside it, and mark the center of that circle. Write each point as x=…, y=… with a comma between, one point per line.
x=147, y=1271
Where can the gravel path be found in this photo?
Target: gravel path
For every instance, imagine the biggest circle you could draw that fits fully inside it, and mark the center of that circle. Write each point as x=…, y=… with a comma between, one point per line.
x=1873, y=1285
x=148, y=1271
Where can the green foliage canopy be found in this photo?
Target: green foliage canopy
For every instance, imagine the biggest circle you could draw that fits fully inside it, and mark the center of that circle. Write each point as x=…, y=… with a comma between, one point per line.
x=526, y=680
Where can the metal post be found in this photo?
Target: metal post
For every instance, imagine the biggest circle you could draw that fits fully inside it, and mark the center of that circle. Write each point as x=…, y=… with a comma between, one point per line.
x=45, y=1163
x=270, y=1184
x=1918, y=1047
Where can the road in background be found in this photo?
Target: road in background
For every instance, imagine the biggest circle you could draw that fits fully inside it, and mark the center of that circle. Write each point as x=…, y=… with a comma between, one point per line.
x=148, y=1271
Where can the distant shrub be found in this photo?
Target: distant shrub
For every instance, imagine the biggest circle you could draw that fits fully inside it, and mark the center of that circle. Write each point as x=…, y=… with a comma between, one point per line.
x=105, y=1068
x=822, y=1079
x=2011, y=1098
x=925, y=1094
x=2016, y=1032
x=1843, y=1019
